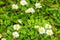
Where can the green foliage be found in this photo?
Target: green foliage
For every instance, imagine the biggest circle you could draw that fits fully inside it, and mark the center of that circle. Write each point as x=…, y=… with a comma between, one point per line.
x=49, y=13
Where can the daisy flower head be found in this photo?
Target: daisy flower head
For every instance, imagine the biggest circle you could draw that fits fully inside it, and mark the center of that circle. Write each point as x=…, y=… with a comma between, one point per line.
x=36, y=26
x=41, y=30
x=15, y=34
x=16, y=27
x=14, y=6
x=3, y=39
x=38, y=5
x=30, y=10
x=48, y=26
x=23, y=2
x=49, y=32
x=27, y=11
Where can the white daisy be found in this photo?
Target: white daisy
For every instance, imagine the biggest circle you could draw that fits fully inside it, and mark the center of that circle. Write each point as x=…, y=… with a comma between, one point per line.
x=3, y=39
x=27, y=11
x=38, y=5
x=15, y=34
x=36, y=26
x=14, y=6
x=49, y=32
x=23, y=2
x=16, y=27
x=48, y=26
x=41, y=30
x=30, y=10
x=20, y=21
x=0, y=35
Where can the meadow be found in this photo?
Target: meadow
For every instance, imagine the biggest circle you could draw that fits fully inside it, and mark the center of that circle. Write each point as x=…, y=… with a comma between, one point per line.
x=29, y=19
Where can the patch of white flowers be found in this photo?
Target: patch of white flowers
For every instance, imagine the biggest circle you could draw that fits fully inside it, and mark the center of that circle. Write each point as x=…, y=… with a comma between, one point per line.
x=41, y=30
x=29, y=10
x=16, y=34
x=47, y=29
x=16, y=27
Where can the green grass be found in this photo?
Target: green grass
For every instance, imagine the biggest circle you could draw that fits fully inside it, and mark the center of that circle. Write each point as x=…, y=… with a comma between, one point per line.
x=49, y=13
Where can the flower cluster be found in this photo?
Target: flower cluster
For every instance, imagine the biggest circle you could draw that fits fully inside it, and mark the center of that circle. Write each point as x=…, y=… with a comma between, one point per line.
x=41, y=30
x=29, y=10
x=16, y=27
x=25, y=20
x=47, y=29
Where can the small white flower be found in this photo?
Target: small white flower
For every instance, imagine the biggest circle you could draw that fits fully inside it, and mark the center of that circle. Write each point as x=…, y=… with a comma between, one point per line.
x=23, y=2
x=0, y=35
x=30, y=10
x=3, y=39
x=48, y=26
x=16, y=27
x=38, y=5
x=36, y=26
x=15, y=34
x=41, y=30
x=49, y=32
x=14, y=6
x=27, y=11
x=20, y=21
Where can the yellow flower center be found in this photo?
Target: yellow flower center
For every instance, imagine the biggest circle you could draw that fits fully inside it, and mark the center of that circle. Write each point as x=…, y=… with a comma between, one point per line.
x=16, y=26
x=23, y=2
x=41, y=30
x=30, y=9
x=49, y=32
x=14, y=6
x=14, y=35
